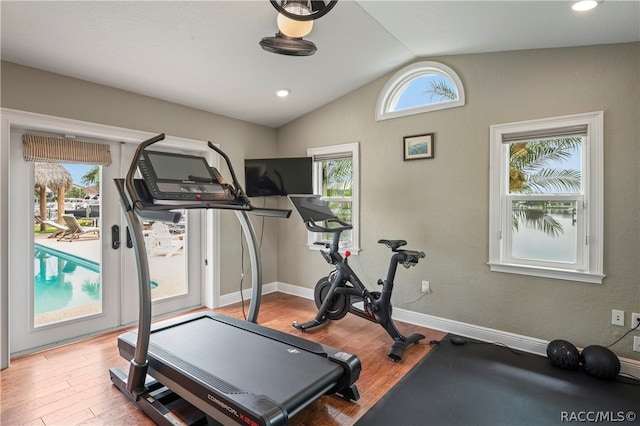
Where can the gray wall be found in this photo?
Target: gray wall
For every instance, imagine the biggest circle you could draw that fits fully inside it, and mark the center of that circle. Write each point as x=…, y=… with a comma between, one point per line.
x=441, y=205
x=29, y=89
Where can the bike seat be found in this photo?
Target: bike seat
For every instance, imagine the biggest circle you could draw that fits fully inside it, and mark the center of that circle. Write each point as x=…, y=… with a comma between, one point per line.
x=393, y=244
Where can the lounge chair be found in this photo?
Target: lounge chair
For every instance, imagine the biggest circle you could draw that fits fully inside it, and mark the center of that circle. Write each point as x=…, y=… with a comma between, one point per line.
x=59, y=229
x=75, y=229
x=163, y=241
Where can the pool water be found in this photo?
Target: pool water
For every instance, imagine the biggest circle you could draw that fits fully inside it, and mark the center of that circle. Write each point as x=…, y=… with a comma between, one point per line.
x=63, y=281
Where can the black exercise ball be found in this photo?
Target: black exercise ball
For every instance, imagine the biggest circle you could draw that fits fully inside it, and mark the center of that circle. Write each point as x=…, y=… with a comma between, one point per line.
x=563, y=354
x=600, y=362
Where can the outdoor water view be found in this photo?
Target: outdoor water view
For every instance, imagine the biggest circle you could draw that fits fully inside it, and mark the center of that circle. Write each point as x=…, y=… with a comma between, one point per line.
x=534, y=243
x=67, y=280
x=67, y=245
x=65, y=286
x=545, y=229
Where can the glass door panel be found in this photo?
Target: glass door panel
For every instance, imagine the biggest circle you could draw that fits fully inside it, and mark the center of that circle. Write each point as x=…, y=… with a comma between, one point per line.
x=64, y=280
x=166, y=250
x=67, y=244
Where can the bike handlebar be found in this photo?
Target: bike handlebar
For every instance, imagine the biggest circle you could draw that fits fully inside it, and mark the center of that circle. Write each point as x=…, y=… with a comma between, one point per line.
x=314, y=227
x=406, y=258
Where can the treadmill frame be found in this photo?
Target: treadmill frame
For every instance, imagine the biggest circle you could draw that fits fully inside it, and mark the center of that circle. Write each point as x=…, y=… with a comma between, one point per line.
x=143, y=390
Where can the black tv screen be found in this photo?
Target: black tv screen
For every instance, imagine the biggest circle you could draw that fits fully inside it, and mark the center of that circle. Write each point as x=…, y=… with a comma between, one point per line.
x=278, y=176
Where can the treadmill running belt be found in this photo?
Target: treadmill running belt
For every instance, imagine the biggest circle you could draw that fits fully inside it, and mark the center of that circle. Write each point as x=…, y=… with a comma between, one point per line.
x=208, y=350
x=247, y=362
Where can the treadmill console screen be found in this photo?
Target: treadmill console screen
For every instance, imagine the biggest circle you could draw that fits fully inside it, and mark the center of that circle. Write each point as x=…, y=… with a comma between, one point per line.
x=175, y=167
x=311, y=207
x=181, y=177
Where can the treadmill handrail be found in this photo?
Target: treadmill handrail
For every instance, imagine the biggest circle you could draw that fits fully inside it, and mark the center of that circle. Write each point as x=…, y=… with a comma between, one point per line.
x=134, y=207
x=238, y=188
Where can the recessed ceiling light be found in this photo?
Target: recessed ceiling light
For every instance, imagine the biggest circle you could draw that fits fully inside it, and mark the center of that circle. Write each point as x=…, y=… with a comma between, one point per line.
x=583, y=5
x=283, y=93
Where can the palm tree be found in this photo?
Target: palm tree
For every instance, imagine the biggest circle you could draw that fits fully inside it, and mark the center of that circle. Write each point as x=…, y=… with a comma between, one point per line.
x=92, y=177
x=530, y=173
x=440, y=90
x=527, y=171
x=338, y=183
x=54, y=177
x=339, y=176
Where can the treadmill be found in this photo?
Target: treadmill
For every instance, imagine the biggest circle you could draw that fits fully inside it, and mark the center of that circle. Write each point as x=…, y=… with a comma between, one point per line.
x=207, y=368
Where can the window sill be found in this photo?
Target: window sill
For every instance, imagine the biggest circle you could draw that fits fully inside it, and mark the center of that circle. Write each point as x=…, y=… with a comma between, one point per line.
x=559, y=274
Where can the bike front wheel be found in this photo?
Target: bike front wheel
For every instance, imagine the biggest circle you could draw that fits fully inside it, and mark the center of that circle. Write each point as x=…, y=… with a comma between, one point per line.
x=340, y=302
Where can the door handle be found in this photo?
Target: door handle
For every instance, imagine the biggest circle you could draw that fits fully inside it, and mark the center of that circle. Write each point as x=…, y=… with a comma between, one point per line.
x=115, y=237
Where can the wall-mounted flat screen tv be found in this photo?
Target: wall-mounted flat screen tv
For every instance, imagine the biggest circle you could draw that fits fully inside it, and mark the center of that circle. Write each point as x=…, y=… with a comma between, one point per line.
x=278, y=176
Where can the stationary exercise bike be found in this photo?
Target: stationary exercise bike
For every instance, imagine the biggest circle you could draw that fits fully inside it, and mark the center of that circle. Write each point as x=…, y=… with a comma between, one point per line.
x=336, y=294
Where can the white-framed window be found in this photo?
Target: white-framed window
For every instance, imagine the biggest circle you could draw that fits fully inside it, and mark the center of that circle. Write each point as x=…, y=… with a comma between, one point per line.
x=336, y=171
x=420, y=87
x=546, y=197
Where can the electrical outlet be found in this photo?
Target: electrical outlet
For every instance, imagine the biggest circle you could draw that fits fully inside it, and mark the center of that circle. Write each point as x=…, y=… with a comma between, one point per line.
x=636, y=343
x=635, y=320
x=426, y=288
x=617, y=317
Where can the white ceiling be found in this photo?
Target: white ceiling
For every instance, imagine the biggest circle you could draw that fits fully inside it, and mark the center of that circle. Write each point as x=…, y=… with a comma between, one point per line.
x=205, y=54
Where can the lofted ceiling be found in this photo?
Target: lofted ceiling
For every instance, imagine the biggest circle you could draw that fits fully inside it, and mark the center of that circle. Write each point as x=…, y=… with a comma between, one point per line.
x=205, y=54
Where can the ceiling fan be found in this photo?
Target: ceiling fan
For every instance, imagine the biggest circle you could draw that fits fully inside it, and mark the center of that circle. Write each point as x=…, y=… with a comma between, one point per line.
x=295, y=20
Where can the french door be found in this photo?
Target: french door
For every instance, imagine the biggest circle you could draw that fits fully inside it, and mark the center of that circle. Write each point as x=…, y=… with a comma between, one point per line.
x=69, y=286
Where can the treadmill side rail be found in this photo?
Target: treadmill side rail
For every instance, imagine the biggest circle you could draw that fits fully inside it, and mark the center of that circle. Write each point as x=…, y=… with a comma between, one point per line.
x=345, y=387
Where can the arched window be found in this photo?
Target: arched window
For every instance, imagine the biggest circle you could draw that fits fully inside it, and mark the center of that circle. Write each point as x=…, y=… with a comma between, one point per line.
x=417, y=88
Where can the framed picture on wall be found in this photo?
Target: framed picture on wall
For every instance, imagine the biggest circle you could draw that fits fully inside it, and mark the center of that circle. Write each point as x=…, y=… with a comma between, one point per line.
x=418, y=146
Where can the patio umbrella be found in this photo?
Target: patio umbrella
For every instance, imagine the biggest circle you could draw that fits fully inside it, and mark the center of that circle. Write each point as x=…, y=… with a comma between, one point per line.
x=54, y=177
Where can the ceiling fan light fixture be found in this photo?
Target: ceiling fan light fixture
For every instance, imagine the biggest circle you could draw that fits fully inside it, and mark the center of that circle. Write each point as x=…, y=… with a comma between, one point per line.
x=295, y=20
x=284, y=45
x=293, y=28
x=301, y=10
x=584, y=5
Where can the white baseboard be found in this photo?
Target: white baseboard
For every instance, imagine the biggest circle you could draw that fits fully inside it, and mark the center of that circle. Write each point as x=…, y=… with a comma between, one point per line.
x=296, y=290
x=514, y=341
x=231, y=298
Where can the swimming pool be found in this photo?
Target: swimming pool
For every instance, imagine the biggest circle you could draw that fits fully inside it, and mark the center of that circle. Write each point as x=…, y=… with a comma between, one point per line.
x=62, y=280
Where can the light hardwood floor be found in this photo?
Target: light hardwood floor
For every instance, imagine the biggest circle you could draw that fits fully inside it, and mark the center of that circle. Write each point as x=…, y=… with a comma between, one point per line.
x=70, y=385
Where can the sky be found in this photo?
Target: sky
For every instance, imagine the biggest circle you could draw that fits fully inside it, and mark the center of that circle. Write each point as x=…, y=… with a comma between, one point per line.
x=77, y=171
x=416, y=93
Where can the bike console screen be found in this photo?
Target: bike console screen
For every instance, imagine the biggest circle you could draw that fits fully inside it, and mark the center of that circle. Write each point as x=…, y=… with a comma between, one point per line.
x=181, y=177
x=311, y=207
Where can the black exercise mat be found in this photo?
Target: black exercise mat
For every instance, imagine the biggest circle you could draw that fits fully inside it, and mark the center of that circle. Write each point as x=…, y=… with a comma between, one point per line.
x=484, y=384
